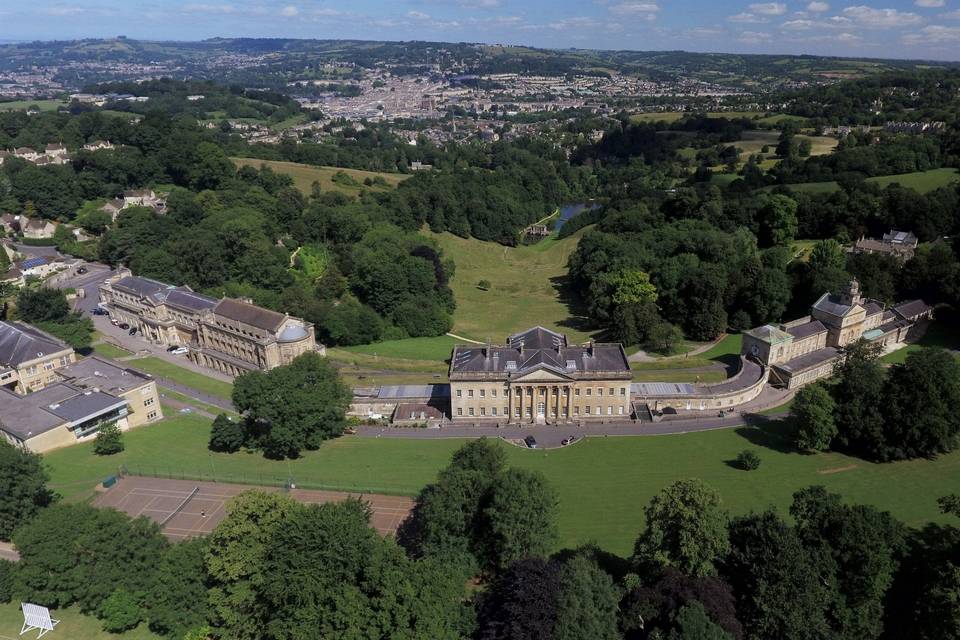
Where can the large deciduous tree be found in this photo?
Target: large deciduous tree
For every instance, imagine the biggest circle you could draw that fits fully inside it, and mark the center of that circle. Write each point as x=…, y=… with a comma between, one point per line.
x=858, y=394
x=686, y=528
x=177, y=598
x=813, y=410
x=23, y=487
x=293, y=407
x=520, y=518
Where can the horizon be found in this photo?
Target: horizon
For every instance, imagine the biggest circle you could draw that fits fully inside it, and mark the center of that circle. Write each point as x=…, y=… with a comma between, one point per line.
x=883, y=30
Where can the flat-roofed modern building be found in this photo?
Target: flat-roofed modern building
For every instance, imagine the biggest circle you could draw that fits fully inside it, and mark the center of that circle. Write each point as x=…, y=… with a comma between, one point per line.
x=537, y=377
x=29, y=357
x=88, y=395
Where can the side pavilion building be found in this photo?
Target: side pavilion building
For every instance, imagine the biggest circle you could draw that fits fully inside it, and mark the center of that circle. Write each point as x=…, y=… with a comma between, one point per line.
x=538, y=377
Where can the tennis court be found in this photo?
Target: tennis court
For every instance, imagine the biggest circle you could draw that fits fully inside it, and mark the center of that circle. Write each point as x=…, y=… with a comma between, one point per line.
x=185, y=508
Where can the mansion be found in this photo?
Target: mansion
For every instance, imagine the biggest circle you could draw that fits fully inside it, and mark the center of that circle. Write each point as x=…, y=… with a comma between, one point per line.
x=806, y=349
x=229, y=335
x=537, y=377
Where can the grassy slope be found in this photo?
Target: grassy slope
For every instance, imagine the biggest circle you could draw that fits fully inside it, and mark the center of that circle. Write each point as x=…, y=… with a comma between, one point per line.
x=525, y=287
x=603, y=483
x=436, y=349
x=920, y=181
x=73, y=626
x=304, y=175
x=164, y=369
x=940, y=334
x=23, y=105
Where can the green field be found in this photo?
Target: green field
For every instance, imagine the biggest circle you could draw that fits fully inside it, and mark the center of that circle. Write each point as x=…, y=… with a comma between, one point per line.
x=304, y=175
x=108, y=350
x=436, y=349
x=23, y=105
x=920, y=181
x=73, y=626
x=939, y=334
x=603, y=483
x=526, y=288
x=673, y=116
x=163, y=369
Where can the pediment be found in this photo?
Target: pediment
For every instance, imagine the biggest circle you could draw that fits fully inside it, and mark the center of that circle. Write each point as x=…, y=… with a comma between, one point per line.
x=542, y=374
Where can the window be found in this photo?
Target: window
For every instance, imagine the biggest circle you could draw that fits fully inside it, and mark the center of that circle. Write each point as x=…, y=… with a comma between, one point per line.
x=148, y=402
x=589, y=391
x=459, y=393
x=483, y=411
x=483, y=393
x=599, y=391
x=470, y=393
x=586, y=410
x=576, y=411
x=619, y=411
x=609, y=410
x=471, y=410
x=459, y=411
x=31, y=370
x=152, y=415
x=623, y=391
x=65, y=360
x=610, y=391
x=493, y=392
x=576, y=391
x=493, y=411
x=506, y=411
x=516, y=412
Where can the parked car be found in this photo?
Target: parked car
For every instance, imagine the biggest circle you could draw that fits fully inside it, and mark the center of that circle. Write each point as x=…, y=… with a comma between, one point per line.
x=172, y=348
x=97, y=311
x=531, y=442
x=179, y=351
x=124, y=326
x=568, y=440
x=81, y=270
x=132, y=331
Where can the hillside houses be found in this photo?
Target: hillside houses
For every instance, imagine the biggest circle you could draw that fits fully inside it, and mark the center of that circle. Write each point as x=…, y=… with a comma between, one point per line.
x=34, y=228
x=135, y=198
x=53, y=154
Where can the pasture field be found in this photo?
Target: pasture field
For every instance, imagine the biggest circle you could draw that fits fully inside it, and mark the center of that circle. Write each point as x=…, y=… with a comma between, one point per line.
x=920, y=181
x=23, y=105
x=603, y=483
x=434, y=349
x=304, y=175
x=673, y=116
x=527, y=288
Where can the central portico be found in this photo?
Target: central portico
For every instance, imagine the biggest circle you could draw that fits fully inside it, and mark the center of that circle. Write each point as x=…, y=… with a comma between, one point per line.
x=537, y=377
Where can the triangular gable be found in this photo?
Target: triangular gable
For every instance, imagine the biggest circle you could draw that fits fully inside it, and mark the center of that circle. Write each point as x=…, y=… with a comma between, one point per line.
x=542, y=373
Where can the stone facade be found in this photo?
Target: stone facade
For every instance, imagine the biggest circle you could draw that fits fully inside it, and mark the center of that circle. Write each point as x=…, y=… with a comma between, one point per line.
x=30, y=358
x=536, y=377
x=806, y=349
x=230, y=336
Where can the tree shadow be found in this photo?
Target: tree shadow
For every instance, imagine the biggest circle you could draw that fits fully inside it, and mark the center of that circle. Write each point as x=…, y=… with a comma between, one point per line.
x=761, y=431
x=578, y=319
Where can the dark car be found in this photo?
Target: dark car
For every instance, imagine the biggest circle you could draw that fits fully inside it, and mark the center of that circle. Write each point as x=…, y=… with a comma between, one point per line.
x=99, y=312
x=568, y=440
x=132, y=331
x=82, y=270
x=124, y=325
x=531, y=442
x=172, y=348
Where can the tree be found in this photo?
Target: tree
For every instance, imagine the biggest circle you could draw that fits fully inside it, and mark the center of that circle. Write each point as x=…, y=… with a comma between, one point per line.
x=522, y=603
x=177, y=597
x=235, y=562
x=587, y=601
x=328, y=572
x=109, y=440
x=120, y=612
x=858, y=394
x=23, y=487
x=520, y=518
x=692, y=623
x=778, y=221
x=6, y=581
x=483, y=285
x=748, y=460
x=293, y=407
x=827, y=254
x=632, y=286
x=813, y=410
x=686, y=528
x=950, y=504
x=804, y=148
x=43, y=304
x=664, y=337
x=922, y=395
x=780, y=593
x=226, y=435
x=106, y=551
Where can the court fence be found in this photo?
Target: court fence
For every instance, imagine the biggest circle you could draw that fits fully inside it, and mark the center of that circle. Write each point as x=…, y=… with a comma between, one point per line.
x=259, y=480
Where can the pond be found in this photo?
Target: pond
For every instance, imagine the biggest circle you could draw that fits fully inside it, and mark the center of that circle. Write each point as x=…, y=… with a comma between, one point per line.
x=569, y=211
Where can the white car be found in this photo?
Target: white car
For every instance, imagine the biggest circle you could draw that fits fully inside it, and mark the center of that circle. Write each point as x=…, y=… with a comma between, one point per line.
x=179, y=351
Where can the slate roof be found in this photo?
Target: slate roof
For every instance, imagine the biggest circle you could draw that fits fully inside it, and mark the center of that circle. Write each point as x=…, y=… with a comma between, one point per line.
x=809, y=360
x=806, y=329
x=873, y=307
x=144, y=287
x=539, y=348
x=249, y=314
x=85, y=405
x=912, y=309
x=21, y=343
x=95, y=372
x=831, y=304
x=24, y=417
x=188, y=300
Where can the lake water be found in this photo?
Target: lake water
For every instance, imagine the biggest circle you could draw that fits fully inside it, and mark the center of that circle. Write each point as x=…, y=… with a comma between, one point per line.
x=569, y=211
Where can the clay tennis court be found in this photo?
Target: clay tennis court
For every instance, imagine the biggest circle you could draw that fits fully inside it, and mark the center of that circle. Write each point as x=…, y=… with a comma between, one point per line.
x=185, y=508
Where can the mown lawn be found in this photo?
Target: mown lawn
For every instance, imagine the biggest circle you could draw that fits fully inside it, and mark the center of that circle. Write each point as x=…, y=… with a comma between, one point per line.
x=304, y=175
x=939, y=334
x=163, y=369
x=526, y=285
x=73, y=626
x=108, y=350
x=603, y=483
x=23, y=105
x=436, y=349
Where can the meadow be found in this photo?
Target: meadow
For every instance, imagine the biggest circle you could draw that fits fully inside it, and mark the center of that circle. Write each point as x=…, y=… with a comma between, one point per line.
x=23, y=105
x=73, y=626
x=526, y=288
x=304, y=175
x=673, y=116
x=920, y=181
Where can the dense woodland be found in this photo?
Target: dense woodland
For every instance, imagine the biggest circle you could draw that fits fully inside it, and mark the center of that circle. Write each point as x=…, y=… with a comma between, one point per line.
x=277, y=569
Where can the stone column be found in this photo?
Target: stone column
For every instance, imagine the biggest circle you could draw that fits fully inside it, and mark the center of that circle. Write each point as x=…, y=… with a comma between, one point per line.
x=509, y=404
x=570, y=402
x=547, y=396
x=556, y=402
x=523, y=392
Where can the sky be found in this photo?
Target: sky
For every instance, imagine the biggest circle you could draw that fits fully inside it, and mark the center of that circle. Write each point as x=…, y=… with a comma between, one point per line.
x=927, y=29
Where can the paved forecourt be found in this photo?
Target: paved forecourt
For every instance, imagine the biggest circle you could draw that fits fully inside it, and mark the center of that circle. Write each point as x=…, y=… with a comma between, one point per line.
x=186, y=508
